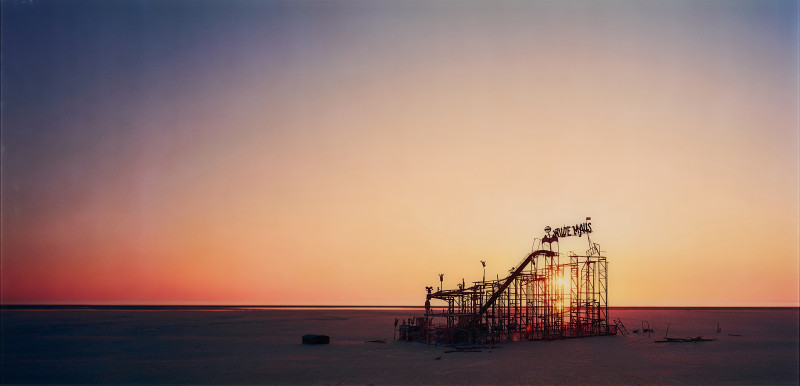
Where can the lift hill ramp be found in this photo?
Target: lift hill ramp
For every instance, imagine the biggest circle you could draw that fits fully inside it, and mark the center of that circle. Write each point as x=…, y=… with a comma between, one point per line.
x=510, y=279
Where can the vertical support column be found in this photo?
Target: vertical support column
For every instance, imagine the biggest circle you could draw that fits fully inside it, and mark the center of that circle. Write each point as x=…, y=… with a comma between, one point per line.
x=588, y=279
x=575, y=300
x=604, y=323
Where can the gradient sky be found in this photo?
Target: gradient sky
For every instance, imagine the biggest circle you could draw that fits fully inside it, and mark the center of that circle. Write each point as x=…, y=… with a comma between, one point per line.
x=346, y=152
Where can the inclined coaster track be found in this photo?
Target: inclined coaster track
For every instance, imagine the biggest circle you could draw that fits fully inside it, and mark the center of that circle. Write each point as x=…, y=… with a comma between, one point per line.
x=542, y=298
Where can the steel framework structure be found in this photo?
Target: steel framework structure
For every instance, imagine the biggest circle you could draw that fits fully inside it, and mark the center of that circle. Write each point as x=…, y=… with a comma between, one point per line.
x=532, y=303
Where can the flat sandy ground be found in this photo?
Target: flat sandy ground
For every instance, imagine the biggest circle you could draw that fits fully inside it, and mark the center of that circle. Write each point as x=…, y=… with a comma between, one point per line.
x=263, y=346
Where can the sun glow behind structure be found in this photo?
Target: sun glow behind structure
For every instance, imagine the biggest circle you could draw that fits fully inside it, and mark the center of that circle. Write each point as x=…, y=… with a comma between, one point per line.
x=330, y=152
x=531, y=303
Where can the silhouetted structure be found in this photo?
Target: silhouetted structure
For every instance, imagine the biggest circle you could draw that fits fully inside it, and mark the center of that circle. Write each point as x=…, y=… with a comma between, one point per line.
x=530, y=304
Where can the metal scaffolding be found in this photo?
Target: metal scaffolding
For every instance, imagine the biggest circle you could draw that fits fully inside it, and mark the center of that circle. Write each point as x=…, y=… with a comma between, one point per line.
x=532, y=303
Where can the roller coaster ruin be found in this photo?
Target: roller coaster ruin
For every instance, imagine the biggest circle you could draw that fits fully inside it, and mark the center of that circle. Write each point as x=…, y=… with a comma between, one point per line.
x=543, y=298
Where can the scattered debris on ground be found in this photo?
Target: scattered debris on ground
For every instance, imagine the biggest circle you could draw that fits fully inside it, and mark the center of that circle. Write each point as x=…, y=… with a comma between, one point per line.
x=684, y=340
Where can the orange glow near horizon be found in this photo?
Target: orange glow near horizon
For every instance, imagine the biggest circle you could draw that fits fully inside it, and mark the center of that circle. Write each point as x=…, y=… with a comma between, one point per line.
x=345, y=153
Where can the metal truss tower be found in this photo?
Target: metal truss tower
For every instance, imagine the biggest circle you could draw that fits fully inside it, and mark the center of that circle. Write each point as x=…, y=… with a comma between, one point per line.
x=541, y=299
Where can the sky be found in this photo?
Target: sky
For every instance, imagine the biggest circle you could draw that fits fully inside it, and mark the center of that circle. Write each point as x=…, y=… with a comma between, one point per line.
x=347, y=152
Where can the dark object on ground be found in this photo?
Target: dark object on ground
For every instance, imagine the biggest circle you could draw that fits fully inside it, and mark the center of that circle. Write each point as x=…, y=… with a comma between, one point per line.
x=683, y=340
x=316, y=339
x=470, y=348
x=377, y=341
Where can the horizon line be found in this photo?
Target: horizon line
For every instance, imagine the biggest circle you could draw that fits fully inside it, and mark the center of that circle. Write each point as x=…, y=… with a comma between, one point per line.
x=322, y=306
